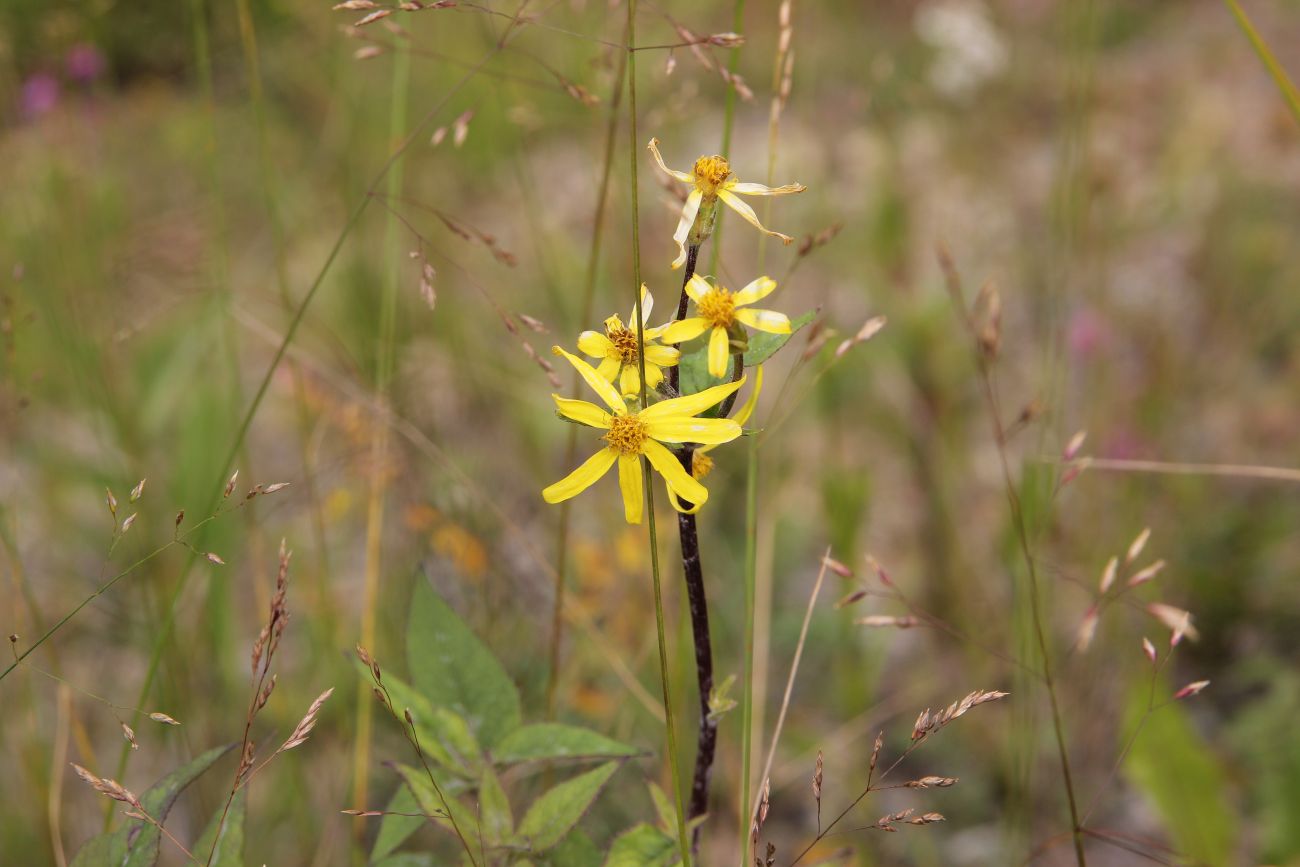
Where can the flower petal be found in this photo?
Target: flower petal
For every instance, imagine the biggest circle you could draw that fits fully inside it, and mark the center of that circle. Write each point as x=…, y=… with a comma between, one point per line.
x=582, y=412
x=678, y=505
x=705, y=431
x=595, y=344
x=609, y=367
x=647, y=304
x=628, y=381
x=691, y=404
x=747, y=212
x=654, y=150
x=765, y=320
x=743, y=414
x=689, y=210
x=697, y=287
x=679, y=481
x=654, y=374
x=630, y=482
x=755, y=291
x=685, y=329
x=760, y=190
x=598, y=383
x=582, y=478
x=719, y=348
x=664, y=356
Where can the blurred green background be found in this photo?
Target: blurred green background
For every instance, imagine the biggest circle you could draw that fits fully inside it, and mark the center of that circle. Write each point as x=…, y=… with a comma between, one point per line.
x=175, y=175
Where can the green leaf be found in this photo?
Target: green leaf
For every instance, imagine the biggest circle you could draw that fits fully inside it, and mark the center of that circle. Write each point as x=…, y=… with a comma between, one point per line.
x=694, y=376
x=453, y=669
x=543, y=741
x=555, y=812
x=440, y=812
x=229, y=851
x=497, y=821
x=444, y=735
x=642, y=846
x=137, y=844
x=575, y=850
x=1176, y=769
x=394, y=829
x=763, y=346
x=408, y=859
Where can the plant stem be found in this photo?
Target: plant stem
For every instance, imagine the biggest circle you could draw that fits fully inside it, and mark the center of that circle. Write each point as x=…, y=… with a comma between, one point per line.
x=669, y=722
x=571, y=450
x=728, y=121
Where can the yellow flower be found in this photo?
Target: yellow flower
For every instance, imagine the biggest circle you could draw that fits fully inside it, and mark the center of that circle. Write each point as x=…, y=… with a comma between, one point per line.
x=629, y=435
x=713, y=180
x=716, y=309
x=701, y=463
x=617, y=349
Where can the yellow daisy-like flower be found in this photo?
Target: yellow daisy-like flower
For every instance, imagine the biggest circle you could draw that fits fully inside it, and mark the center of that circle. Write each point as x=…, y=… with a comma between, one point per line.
x=716, y=308
x=617, y=349
x=713, y=180
x=701, y=463
x=629, y=435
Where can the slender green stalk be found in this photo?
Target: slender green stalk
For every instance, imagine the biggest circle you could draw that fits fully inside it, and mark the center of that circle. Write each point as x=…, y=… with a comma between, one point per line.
x=571, y=449
x=747, y=687
x=384, y=360
x=1280, y=78
x=728, y=121
x=646, y=479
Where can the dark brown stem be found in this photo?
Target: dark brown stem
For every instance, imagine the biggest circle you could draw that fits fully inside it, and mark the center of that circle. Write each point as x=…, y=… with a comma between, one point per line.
x=674, y=373
x=708, y=735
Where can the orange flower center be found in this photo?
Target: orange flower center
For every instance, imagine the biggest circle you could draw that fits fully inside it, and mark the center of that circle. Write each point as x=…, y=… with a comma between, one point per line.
x=718, y=308
x=625, y=343
x=710, y=172
x=626, y=434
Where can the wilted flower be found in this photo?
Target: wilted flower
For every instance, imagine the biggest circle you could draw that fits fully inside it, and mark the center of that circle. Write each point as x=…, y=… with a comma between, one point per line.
x=713, y=180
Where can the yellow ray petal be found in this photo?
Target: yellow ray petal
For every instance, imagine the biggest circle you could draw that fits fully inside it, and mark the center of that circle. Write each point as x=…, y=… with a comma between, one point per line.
x=582, y=478
x=761, y=190
x=743, y=414
x=697, y=287
x=598, y=383
x=595, y=344
x=689, y=210
x=677, y=504
x=664, y=356
x=647, y=304
x=628, y=381
x=654, y=374
x=609, y=367
x=691, y=404
x=705, y=431
x=630, y=479
x=582, y=412
x=765, y=320
x=747, y=212
x=755, y=291
x=719, y=347
x=684, y=329
x=654, y=150
x=677, y=478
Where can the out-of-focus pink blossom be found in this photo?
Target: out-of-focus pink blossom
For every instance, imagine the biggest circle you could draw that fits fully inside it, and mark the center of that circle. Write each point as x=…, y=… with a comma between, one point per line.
x=1086, y=333
x=84, y=63
x=40, y=94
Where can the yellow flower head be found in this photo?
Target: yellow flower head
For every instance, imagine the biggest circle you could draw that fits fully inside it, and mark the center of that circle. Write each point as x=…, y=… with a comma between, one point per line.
x=618, y=347
x=717, y=309
x=629, y=435
x=712, y=179
x=701, y=463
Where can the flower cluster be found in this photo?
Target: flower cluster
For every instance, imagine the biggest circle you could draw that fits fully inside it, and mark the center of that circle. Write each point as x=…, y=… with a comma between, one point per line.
x=670, y=428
